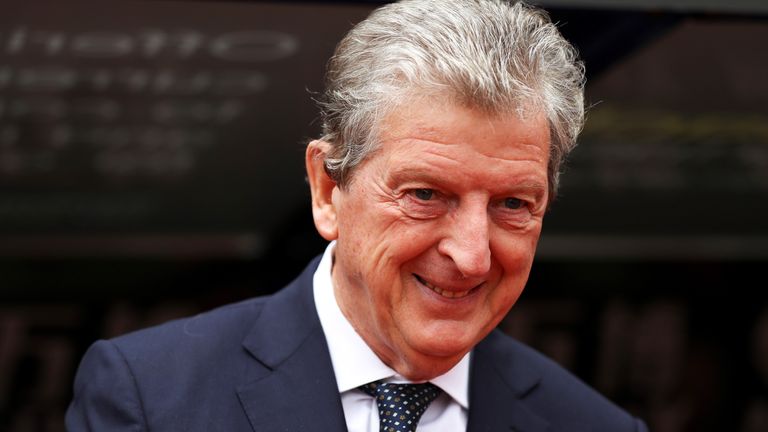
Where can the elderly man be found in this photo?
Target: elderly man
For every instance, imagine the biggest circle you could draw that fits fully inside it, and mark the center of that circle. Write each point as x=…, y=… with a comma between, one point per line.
x=445, y=124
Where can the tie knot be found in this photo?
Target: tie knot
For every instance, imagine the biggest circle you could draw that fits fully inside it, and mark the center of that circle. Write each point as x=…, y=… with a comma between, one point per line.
x=401, y=405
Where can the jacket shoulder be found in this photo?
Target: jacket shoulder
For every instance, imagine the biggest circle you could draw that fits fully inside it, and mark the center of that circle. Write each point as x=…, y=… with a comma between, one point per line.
x=226, y=325
x=556, y=393
x=167, y=377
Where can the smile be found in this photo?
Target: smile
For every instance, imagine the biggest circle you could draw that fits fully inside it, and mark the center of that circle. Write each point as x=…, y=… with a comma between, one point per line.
x=445, y=293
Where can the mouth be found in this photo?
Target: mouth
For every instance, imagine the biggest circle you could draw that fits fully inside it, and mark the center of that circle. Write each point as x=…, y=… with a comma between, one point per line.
x=443, y=292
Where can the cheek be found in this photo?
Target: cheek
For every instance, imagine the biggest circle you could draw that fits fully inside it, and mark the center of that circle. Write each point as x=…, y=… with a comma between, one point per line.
x=403, y=241
x=356, y=226
x=412, y=244
x=509, y=290
x=515, y=259
x=515, y=255
x=515, y=250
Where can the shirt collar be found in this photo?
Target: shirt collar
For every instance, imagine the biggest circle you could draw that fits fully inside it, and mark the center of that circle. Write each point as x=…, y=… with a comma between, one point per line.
x=354, y=363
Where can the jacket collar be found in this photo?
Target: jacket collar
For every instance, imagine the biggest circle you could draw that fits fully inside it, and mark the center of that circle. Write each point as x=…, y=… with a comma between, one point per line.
x=292, y=387
x=498, y=385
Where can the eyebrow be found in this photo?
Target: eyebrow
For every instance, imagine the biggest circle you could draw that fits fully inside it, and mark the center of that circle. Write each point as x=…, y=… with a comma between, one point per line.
x=533, y=186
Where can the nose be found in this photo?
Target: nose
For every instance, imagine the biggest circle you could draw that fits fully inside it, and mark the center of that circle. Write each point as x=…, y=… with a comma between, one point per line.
x=467, y=240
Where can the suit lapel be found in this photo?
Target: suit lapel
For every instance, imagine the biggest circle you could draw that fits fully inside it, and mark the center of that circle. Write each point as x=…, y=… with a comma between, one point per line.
x=291, y=386
x=498, y=386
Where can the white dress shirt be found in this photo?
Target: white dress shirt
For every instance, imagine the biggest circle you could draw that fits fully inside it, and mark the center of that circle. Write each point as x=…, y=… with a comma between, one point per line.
x=355, y=364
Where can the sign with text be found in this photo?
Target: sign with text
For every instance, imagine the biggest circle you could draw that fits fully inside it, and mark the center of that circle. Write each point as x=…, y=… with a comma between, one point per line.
x=158, y=117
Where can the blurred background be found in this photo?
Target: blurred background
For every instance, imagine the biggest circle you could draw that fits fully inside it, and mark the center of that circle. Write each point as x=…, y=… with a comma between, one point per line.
x=151, y=166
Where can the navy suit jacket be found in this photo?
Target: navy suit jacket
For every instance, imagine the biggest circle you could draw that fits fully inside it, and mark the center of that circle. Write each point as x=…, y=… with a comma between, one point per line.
x=263, y=365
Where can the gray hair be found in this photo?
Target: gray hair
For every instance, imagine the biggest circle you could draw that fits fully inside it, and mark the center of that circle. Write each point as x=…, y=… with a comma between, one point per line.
x=485, y=54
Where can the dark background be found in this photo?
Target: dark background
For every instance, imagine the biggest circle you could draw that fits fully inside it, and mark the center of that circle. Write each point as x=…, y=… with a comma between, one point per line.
x=151, y=166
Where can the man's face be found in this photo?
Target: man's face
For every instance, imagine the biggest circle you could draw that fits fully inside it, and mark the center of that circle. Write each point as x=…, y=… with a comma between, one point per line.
x=437, y=232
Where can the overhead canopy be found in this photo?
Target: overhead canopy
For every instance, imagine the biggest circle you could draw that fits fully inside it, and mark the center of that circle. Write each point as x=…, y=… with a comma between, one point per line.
x=705, y=6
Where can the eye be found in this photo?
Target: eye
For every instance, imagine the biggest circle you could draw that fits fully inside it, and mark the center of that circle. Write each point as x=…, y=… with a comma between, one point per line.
x=513, y=203
x=424, y=203
x=423, y=194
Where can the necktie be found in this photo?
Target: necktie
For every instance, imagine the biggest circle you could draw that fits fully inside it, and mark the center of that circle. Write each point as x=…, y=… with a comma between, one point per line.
x=401, y=405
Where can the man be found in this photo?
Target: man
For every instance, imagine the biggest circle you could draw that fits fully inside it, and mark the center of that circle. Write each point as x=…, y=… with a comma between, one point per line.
x=445, y=123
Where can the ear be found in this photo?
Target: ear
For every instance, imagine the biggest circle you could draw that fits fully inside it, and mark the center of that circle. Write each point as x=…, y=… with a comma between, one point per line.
x=321, y=186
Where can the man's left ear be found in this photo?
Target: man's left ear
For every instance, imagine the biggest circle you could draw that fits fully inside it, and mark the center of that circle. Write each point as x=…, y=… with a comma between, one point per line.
x=321, y=186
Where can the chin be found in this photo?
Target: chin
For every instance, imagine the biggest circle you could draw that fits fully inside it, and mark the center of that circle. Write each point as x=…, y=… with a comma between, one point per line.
x=445, y=344
x=426, y=368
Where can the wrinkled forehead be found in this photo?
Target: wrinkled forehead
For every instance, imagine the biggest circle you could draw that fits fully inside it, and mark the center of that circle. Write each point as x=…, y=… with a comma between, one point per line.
x=442, y=129
x=425, y=111
x=436, y=91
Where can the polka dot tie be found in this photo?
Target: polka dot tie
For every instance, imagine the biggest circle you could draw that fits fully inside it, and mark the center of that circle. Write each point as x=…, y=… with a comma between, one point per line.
x=401, y=405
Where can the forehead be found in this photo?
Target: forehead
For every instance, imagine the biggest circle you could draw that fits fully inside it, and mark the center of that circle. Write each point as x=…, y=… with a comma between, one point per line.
x=455, y=149
x=440, y=128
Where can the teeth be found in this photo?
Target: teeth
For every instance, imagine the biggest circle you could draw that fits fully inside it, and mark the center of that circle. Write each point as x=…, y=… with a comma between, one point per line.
x=445, y=293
